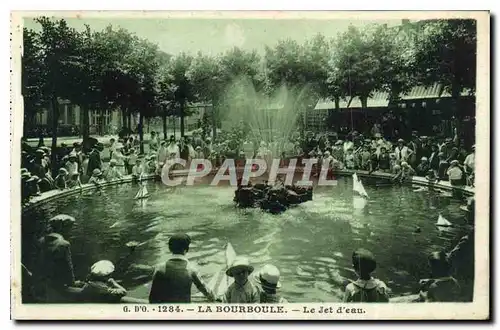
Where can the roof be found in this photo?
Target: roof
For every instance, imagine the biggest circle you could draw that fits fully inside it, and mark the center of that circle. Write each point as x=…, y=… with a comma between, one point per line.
x=421, y=92
x=378, y=99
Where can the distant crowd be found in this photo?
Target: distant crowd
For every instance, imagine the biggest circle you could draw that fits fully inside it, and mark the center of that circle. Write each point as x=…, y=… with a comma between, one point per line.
x=437, y=159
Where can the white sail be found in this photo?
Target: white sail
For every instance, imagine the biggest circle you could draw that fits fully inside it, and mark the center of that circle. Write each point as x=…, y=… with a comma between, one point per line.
x=358, y=186
x=142, y=193
x=443, y=222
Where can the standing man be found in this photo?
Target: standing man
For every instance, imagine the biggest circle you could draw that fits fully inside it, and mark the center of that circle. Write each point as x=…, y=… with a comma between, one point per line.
x=94, y=161
x=173, y=280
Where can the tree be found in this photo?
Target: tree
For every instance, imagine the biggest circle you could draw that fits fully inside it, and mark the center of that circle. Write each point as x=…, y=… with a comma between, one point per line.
x=179, y=83
x=206, y=77
x=58, y=46
x=90, y=64
x=144, y=67
x=397, y=57
x=33, y=76
x=118, y=84
x=446, y=53
x=358, y=69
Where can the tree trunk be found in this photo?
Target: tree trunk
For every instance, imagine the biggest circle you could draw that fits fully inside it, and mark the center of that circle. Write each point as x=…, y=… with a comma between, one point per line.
x=182, y=117
x=455, y=96
x=141, y=132
x=364, y=103
x=164, y=119
x=175, y=120
x=124, y=118
x=85, y=123
x=214, y=122
x=55, y=124
x=129, y=121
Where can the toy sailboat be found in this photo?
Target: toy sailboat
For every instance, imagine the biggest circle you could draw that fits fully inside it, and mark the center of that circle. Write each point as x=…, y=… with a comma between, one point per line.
x=143, y=192
x=442, y=222
x=358, y=186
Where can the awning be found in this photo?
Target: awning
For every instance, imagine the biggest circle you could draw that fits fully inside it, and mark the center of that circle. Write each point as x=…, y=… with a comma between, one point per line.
x=378, y=100
x=421, y=92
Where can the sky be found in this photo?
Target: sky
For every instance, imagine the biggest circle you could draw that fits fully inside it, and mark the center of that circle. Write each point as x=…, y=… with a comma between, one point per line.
x=213, y=36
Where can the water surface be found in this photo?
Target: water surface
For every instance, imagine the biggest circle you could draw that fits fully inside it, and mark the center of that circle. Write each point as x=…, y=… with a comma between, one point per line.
x=311, y=244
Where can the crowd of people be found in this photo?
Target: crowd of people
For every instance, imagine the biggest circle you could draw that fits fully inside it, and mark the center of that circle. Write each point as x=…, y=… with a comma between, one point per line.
x=53, y=279
x=437, y=159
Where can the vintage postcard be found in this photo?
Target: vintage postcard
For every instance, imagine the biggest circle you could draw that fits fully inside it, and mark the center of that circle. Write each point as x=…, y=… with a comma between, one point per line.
x=250, y=165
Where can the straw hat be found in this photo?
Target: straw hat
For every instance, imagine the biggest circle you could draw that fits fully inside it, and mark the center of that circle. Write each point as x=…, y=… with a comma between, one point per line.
x=239, y=263
x=62, y=218
x=269, y=277
x=96, y=172
x=102, y=268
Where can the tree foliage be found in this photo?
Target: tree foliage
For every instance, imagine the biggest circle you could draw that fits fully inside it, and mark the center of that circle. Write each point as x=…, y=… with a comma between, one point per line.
x=114, y=69
x=446, y=53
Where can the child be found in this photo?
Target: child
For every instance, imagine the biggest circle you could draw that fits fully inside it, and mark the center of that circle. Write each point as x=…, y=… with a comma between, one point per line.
x=113, y=173
x=96, y=177
x=242, y=290
x=365, y=288
x=349, y=159
x=200, y=154
x=393, y=162
x=455, y=173
x=137, y=170
x=60, y=180
x=132, y=160
x=443, y=167
x=74, y=181
x=384, y=162
x=100, y=287
x=423, y=167
x=365, y=158
x=268, y=278
x=172, y=281
x=85, y=166
x=441, y=287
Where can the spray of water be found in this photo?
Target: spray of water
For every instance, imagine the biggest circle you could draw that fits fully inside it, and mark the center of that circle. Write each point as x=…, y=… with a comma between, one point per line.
x=272, y=120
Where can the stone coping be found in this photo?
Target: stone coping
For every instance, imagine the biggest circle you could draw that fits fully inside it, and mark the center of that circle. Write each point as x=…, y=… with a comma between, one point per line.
x=55, y=194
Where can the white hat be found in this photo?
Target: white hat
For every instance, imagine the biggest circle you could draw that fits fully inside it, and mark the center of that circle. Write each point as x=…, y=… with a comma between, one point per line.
x=269, y=277
x=238, y=263
x=102, y=268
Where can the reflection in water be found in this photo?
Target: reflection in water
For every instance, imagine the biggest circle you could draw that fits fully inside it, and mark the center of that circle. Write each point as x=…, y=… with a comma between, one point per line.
x=311, y=244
